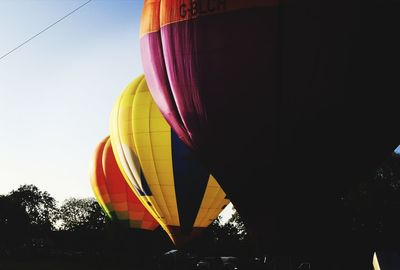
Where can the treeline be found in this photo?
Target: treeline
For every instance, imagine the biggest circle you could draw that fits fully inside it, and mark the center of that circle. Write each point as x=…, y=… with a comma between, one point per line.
x=32, y=225
x=35, y=212
x=373, y=206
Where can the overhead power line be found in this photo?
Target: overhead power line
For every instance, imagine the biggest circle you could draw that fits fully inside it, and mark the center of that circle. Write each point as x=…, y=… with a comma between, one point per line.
x=45, y=29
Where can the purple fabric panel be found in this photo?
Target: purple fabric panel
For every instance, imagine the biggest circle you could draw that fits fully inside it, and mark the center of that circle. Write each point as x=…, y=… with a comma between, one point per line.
x=223, y=72
x=213, y=64
x=156, y=78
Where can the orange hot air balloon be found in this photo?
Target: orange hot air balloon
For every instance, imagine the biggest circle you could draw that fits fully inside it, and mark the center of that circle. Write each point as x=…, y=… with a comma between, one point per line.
x=113, y=193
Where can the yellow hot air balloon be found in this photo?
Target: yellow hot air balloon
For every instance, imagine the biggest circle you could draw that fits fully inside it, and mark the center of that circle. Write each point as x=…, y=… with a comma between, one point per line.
x=172, y=184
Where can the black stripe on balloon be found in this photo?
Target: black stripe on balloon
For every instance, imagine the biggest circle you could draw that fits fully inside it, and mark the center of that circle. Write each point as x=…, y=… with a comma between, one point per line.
x=145, y=190
x=191, y=180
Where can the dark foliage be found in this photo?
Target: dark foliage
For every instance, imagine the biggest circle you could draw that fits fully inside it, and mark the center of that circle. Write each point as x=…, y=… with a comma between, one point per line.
x=14, y=224
x=40, y=207
x=82, y=215
x=374, y=205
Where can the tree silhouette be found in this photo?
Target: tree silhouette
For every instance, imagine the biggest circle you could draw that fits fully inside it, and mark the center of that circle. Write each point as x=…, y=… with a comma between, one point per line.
x=234, y=229
x=229, y=238
x=373, y=205
x=82, y=214
x=40, y=206
x=14, y=224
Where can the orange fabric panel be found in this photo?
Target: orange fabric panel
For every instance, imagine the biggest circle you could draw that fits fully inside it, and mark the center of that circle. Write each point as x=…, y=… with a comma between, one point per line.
x=120, y=206
x=103, y=191
x=118, y=197
x=150, y=20
x=136, y=215
x=157, y=13
x=115, y=180
x=148, y=225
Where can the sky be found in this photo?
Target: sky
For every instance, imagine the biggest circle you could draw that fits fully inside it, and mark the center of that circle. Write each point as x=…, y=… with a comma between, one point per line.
x=57, y=91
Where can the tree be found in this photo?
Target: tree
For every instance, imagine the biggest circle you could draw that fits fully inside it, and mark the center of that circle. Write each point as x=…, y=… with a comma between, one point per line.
x=373, y=205
x=220, y=238
x=234, y=229
x=82, y=214
x=14, y=223
x=40, y=206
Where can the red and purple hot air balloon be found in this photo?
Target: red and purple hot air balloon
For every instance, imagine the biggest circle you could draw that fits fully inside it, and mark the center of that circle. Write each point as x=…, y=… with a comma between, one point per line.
x=289, y=103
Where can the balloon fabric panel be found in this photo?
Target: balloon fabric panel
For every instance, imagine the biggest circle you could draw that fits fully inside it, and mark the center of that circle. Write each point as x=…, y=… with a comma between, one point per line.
x=214, y=201
x=191, y=180
x=127, y=158
x=98, y=181
x=156, y=14
x=154, y=151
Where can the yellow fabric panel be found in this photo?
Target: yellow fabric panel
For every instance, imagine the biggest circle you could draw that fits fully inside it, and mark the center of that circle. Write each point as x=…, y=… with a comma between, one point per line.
x=149, y=203
x=153, y=146
x=158, y=198
x=213, y=183
x=117, y=146
x=209, y=197
x=121, y=134
x=162, y=149
x=123, y=145
x=106, y=206
x=375, y=262
x=157, y=124
x=212, y=204
x=97, y=194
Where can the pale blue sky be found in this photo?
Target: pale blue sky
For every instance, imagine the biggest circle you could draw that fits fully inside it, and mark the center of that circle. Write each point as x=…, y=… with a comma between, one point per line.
x=57, y=91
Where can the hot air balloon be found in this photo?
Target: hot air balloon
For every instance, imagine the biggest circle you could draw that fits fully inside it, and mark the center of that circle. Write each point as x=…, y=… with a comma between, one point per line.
x=172, y=184
x=299, y=97
x=113, y=193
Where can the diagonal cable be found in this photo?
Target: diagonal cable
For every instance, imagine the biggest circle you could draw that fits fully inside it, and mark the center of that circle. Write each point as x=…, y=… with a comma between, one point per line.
x=45, y=29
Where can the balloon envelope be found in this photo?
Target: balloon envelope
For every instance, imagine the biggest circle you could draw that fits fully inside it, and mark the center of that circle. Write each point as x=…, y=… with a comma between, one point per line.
x=298, y=97
x=113, y=193
x=175, y=187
